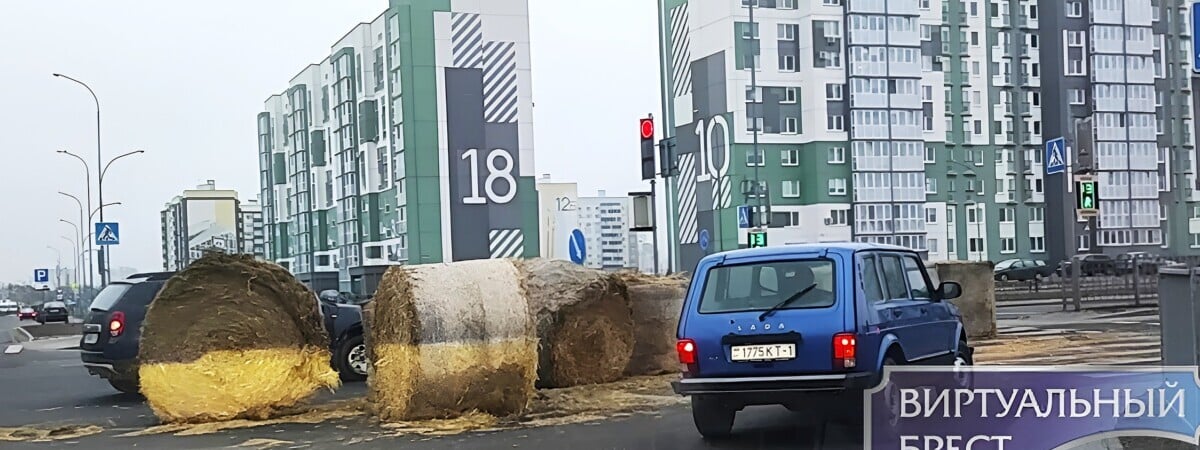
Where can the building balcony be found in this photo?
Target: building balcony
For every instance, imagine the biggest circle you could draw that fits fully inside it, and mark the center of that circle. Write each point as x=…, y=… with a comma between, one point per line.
x=1002, y=21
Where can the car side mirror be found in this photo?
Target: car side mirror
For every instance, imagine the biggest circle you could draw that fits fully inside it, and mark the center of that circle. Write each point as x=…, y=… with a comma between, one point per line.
x=949, y=290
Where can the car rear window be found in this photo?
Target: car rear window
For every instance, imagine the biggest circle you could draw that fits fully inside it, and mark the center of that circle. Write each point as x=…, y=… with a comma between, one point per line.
x=109, y=296
x=760, y=286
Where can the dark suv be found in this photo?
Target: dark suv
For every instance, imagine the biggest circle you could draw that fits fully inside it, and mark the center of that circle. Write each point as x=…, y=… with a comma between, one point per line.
x=109, y=346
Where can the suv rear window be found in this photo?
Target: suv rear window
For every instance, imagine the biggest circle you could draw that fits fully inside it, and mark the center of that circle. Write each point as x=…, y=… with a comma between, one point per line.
x=760, y=286
x=109, y=296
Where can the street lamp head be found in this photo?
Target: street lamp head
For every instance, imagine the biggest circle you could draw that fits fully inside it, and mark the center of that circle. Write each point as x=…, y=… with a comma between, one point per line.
x=57, y=74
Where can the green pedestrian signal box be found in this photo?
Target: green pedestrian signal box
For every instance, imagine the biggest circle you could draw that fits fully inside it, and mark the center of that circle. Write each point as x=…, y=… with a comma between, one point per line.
x=757, y=239
x=1087, y=202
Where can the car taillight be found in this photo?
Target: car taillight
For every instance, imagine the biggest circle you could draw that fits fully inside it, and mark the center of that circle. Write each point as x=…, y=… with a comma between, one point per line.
x=116, y=323
x=845, y=350
x=687, y=351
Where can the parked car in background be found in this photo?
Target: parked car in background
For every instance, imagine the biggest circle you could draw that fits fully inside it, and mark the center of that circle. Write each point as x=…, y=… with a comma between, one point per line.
x=8, y=307
x=1090, y=265
x=1147, y=263
x=1021, y=270
x=53, y=312
x=27, y=313
x=343, y=320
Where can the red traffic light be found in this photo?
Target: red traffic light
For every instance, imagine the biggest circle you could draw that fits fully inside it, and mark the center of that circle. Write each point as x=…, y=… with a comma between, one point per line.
x=647, y=127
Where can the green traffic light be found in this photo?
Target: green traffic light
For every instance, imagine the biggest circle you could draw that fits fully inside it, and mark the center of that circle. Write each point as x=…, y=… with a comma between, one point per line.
x=757, y=240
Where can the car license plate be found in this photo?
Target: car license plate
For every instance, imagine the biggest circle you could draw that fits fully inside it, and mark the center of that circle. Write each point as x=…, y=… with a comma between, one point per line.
x=91, y=338
x=767, y=352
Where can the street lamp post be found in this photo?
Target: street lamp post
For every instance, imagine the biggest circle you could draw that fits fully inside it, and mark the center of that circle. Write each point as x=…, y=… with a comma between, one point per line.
x=79, y=235
x=87, y=172
x=78, y=265
x=108, y=249
x=57, y=268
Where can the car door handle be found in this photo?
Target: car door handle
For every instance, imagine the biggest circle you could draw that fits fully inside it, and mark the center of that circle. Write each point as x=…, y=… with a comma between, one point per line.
x=924, y=310
x=897, y=313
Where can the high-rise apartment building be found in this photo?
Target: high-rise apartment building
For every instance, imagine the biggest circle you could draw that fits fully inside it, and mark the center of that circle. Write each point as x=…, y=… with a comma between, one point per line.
x=209, y=219
x=1121, y=94
x=923, y=123
x=605, y=222
x=411, y=143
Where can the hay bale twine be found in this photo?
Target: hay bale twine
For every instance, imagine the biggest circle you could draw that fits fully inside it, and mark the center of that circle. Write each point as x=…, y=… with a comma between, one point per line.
x=657, y=302
x=232, y=337
x=446, y=339
x=584, y=323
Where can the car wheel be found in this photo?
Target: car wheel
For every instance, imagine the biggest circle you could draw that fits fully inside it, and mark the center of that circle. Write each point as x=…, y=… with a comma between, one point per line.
x=1004, y=277
x=714, y=420
x=963, y=358
x=125, y=386
x=352, y=359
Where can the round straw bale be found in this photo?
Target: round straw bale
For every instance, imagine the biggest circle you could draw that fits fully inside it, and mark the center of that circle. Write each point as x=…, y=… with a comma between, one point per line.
x=232, y=337
x=584, y=323
x=657, y=302
x=447, y=339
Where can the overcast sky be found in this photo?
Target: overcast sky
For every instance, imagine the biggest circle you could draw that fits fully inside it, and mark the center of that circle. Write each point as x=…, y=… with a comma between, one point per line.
x=184, y=82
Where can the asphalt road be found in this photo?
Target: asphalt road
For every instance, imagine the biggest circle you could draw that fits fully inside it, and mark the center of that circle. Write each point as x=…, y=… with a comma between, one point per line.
x=45, y=386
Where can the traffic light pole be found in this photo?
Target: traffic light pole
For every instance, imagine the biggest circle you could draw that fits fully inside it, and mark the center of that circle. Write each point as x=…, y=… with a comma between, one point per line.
x=759, y=159
x=654, y=221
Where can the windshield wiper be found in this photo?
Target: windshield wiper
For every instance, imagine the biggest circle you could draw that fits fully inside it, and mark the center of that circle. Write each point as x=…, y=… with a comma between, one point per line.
x=786, y=301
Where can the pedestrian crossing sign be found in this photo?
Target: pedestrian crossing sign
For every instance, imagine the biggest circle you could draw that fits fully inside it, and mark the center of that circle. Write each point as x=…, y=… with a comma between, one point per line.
x=108, y=233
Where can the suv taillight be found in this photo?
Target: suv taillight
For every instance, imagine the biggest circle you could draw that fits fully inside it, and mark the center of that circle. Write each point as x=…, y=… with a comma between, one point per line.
x=116, y=323
x=687, y=351
x=845, y=350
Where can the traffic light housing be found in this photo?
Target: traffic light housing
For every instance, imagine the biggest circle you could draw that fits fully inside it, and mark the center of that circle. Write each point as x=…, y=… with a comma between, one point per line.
x=1086, y=198
x=756, y=239
x=646, y=131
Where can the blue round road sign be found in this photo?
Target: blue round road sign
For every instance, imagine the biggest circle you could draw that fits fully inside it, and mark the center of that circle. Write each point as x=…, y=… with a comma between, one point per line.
x=577, y=247
x=704, y=239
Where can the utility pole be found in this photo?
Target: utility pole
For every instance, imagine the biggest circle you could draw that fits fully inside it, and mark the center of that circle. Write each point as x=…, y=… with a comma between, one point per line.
x=759, y=159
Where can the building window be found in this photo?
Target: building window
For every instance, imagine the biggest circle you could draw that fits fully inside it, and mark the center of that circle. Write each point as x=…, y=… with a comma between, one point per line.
x=1008, y=245
x=931, y=215
x=835, y=123
x=791, y=125
x=786, y=4
x=787, y=63
x=1007, y=215
x=930, y=155
x=1075, y=67
x=790, y=95
x=837, y=186
x=789, y=157
x=1037, y=244
x=753, y=159
x=831, y=2
x=791, y=188
x=975, y=244
x=829, y=60
x=930, y=185
x=1037, y=214
x=788, y=31
x=834, y=91
x=933, y=245
x=839, y=217
x=1075, y=9
x=836, y=155
x=1078, y=96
